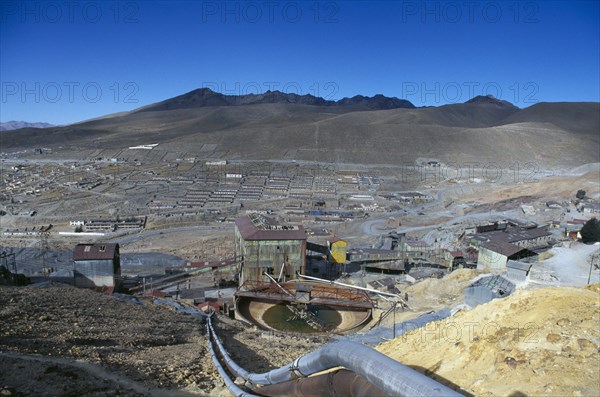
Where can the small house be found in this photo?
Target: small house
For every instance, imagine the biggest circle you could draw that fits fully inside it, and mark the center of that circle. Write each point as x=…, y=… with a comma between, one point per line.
x=97, y=266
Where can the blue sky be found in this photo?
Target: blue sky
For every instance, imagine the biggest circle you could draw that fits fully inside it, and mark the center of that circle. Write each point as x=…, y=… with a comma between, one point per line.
x=66, y=61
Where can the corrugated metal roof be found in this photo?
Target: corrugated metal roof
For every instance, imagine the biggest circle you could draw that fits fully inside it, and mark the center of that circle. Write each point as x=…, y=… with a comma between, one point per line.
x=457, y=253
x=487, y=288
x=84, y=252
x=391, y=265
x=418, y=244
x=502, y=247
x=260, y=227
x=519, y=265
x=494, y=283
x=516, y=234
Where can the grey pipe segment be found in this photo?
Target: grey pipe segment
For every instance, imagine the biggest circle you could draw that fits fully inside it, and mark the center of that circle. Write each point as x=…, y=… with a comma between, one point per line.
x=378, y=369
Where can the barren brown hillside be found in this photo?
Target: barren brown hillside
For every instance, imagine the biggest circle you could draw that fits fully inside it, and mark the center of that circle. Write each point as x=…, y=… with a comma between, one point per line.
x=480, y=131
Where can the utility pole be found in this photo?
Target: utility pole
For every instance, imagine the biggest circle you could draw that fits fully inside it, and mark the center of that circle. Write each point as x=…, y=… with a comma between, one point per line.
x=394, y=324
x=594, y=259
x=44, y=235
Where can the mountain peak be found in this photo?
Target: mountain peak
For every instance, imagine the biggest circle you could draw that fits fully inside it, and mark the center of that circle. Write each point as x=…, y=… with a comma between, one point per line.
x=377, y=102
x=490, y=99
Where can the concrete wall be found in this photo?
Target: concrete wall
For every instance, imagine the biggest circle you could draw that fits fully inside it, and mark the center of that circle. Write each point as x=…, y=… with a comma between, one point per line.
x=489, y=259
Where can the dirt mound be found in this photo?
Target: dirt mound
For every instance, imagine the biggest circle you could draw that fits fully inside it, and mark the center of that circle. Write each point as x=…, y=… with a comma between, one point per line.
x=534, y=342
x=593, y=287
x=432, y=292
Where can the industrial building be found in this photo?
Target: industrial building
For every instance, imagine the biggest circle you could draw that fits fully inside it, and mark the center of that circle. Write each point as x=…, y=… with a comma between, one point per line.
x=520, y=236
x=265, y=246
x=97, y=266
x=498, y=246
x=495, y=254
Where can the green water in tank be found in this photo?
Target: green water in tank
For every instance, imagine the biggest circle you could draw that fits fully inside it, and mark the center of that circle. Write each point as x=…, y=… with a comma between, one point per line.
x=279, y=317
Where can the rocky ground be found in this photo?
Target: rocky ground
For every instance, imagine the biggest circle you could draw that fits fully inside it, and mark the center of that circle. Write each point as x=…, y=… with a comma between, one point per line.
x=56, y=340
x=62, y=341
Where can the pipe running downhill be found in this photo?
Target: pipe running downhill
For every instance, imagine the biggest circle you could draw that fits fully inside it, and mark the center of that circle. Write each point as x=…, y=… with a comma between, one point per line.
x=388, y=375
x=230, y=384
x=339, y=382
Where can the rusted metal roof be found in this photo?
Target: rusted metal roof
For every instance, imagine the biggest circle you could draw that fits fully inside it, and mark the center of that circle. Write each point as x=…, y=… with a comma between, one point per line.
x=457, y=253
x=260, y=227
x=418, y=244
x=83, y=252
x=503, y=248
x=517, y=234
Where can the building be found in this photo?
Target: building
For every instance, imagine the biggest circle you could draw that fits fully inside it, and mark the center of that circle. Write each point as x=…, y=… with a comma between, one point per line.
x=521, y=236
x=110, y=225
x=453, y=259
x=491, y=227
x=95, y=225
x=366, y=255
x=97, y=266
x=590, y=208
x=265, y=246
x=495, y=254
x=553, y=205
x=387, y=284
x=573, y=229
x=517, y=272
x=417, y=246
x=487, y=288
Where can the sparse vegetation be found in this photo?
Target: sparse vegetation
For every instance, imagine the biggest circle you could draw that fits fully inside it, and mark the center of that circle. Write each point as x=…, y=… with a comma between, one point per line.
x=590, y=232
x=580, y=194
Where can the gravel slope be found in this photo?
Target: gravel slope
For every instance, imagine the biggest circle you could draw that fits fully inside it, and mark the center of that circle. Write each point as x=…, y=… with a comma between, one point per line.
x=63, y=341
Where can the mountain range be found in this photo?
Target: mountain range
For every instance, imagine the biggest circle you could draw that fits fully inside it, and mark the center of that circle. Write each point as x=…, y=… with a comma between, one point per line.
x=15, y=125
x=357, y=130
x=204, y=97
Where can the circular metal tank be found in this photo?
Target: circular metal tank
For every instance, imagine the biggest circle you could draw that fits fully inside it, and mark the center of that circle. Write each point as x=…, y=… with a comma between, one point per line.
x=339, y=309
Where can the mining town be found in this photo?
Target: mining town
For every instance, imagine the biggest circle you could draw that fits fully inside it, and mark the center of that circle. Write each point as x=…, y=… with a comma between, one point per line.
x=299, y=198
x=146, y=272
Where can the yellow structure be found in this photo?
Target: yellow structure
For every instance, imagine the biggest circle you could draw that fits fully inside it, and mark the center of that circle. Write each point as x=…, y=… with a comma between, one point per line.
x=337, y=248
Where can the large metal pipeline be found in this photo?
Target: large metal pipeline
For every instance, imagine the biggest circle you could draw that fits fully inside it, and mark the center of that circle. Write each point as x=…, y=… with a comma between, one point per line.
x=340, y=382
x=230, y=384
x=231, y=365
x=368, y=372
x=233, y=388
x=379, y=370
